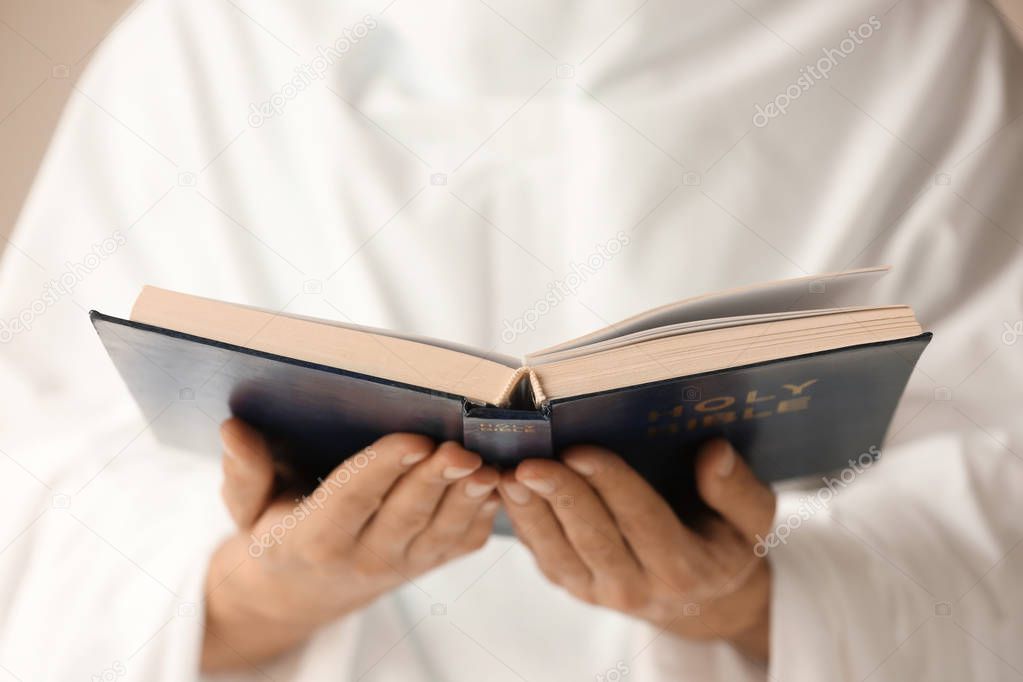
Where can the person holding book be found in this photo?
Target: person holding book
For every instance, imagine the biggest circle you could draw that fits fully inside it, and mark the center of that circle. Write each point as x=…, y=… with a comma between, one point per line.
x=598, y=483
x=507, y=177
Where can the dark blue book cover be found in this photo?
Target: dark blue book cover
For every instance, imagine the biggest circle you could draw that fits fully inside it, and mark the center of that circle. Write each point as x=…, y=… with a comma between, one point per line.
x=791, y=417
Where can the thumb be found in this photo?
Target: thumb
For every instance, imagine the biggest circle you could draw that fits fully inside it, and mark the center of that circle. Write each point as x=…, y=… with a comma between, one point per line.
x=728, y=485
x=248, y=472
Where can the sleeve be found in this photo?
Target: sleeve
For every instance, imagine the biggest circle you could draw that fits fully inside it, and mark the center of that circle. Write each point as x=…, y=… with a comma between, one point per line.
x=911, y=574
x=908, y=568
x=98, y=580
x=106, y=534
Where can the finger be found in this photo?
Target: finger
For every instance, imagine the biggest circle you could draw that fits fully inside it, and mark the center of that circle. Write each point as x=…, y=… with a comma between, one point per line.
x=411, y=504
x=588, y=524
x=248, y=472
x=728, y=485
x=731, y=553
x=538, y=528
x=660, y=541
x=478, y=531
x=457, y=511
x=354, y=491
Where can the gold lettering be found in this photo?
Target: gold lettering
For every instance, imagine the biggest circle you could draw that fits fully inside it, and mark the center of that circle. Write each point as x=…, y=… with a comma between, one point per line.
x=494, y=427
x=753, y=398
x=750, y=413
x=655, y=415
x=714, y=404
x=798, y=389
x=652, y=431
x=718, y=418
x=793, y=404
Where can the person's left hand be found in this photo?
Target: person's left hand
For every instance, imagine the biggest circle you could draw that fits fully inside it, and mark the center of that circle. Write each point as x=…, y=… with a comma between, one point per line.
x=598, y=529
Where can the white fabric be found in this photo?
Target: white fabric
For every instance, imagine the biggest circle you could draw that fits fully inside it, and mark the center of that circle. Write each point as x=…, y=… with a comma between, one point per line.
x=909, y=153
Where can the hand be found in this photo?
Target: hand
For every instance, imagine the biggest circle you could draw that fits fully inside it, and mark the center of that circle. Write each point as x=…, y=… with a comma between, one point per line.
x=393, y=511
x=598, y=529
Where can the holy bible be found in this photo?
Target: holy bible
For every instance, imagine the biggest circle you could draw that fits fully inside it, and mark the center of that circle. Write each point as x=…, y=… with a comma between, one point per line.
x=796, y=375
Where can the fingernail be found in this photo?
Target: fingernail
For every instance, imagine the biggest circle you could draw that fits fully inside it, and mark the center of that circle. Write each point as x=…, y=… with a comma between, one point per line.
x=540, y=485
x=412, y=458
x=518, y=493
x=455, y=473
x=227, y=452
x=727, y=463
x=490, y=506
x=474, y=489
x=580, y=467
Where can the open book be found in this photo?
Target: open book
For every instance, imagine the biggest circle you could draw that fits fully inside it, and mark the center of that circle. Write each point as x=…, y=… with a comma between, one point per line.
x=798, y=375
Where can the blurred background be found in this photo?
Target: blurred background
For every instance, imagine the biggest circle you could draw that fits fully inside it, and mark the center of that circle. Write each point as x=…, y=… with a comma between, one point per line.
x=44, y=47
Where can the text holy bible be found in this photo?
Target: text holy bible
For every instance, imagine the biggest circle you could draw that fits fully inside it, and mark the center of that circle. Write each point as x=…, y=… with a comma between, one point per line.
x=793, y=373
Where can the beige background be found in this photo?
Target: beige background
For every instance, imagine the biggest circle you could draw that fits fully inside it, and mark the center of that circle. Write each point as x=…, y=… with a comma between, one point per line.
x=44, y=45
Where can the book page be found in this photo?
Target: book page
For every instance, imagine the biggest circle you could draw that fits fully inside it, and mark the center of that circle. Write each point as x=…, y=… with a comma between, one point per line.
x=782, y=296
x=343, y=346
x=683, y=328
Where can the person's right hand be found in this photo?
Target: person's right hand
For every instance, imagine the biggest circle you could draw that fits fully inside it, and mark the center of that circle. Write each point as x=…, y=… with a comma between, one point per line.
x=395, y=510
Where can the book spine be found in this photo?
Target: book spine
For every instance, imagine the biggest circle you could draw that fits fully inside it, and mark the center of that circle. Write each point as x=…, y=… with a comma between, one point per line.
x=504, y=437
x=524, y=381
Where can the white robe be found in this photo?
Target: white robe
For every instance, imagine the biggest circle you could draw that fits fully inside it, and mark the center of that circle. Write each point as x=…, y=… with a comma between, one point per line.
x=456, y=159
